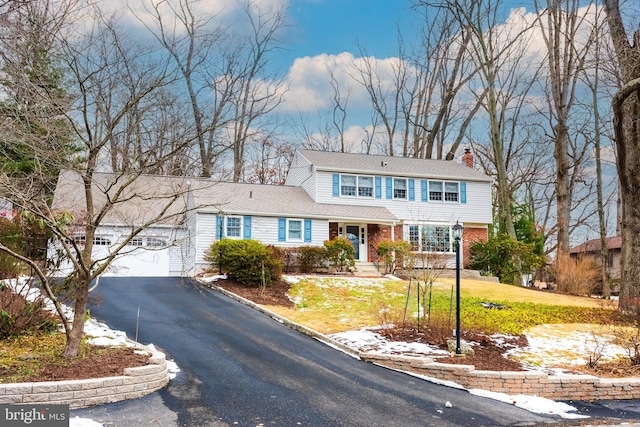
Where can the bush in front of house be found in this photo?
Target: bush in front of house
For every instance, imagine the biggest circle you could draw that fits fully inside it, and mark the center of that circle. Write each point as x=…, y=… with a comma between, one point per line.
x=505, y=257
x=247, y=261
x=340, y=253
x=394, y=254
x=311, y=258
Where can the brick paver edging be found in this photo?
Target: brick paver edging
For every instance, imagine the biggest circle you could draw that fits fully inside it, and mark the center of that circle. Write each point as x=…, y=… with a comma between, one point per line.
x=136, y=382
x=555, y=387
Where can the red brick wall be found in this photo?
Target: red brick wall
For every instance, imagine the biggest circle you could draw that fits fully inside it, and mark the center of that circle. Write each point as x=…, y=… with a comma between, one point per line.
x=333, y=230
x=470, y=235
x=376, y=233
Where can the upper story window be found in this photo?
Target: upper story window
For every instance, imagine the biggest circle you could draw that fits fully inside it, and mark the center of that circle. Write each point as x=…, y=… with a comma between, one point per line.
x=399, y=188
x=354, y=185
x=234, y=226
x=444, y=191
x=365, y=186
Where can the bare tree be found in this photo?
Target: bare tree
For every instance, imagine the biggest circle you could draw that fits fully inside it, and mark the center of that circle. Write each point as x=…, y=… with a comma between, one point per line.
x=440, y=115
x=626, y=124
x=592, y=78
x=99, y=67
x=386, y=101
x=560, y=23
x=257, y=92
x=207, y=72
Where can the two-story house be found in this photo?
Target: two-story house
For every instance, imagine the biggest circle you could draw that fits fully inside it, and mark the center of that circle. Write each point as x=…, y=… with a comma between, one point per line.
x=364, y=198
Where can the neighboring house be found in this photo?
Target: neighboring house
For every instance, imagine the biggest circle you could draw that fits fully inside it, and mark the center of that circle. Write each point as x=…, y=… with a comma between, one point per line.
x=591, y=248
x=364, y=198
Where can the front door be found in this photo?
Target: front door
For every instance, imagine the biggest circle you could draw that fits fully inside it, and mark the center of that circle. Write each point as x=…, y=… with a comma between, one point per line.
x=353, y=234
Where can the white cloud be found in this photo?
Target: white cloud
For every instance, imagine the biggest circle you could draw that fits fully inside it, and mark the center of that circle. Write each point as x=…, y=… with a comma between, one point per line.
x=309, y=80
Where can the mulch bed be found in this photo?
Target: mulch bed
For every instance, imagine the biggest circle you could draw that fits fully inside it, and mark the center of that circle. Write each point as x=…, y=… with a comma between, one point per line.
x=107, y=362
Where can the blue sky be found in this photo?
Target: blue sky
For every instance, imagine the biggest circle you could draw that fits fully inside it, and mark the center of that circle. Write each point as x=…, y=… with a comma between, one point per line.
x=335, y=26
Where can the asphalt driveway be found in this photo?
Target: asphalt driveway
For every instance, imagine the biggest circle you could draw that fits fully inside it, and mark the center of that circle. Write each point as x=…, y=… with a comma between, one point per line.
x=240, y=367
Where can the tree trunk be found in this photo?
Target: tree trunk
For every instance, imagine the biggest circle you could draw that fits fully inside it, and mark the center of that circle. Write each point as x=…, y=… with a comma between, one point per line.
x=74, y=339
x=626, y=108
x=626, y=126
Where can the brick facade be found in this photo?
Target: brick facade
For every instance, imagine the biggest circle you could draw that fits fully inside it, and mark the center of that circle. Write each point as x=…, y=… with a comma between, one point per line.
x=470, y=235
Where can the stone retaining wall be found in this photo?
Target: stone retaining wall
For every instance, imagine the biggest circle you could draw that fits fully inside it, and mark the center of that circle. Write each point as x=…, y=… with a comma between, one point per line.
x=555, y=387
x=136, y=382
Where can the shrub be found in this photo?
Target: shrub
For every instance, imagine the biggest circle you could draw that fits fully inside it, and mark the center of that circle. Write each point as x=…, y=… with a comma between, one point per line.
x=247, y=261
x=576, y=276
x=311, y=258
x=340, y=253
x=394, y=254
x=505, y=257
x=11, y=237
x=19, y=316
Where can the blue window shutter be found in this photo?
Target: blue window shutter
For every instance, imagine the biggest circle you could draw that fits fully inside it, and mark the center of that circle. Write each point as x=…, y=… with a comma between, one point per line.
x=218, y=226
x=388, y=183
x=412, y=189
x=307, y=230
x=282, y=229
x=378, y=187
x=463, y=192
x=336, y=185
x=424, y=188
x=247, y=227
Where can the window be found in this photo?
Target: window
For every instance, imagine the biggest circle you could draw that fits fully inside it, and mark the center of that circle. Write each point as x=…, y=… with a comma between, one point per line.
x=399, y=188
x=450, y=191
x=414, y=237
x=444, y=191
x=365, y=186
x=135, y=242
x=101, y=241
x=430, y=238
x=356, y=186
x=348, y=185
x=155, y=242
x=436, y=239
x=294, y=230
x=234, y=226
x=435, y=191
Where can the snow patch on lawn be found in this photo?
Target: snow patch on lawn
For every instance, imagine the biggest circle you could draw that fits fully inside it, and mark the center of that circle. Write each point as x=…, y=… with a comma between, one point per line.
x=366, y=340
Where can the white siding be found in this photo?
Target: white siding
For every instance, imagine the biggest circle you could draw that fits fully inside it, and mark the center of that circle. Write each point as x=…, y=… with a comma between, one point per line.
x=302, y=174
x=477, y=209
x=205, y=235
x=263, y=229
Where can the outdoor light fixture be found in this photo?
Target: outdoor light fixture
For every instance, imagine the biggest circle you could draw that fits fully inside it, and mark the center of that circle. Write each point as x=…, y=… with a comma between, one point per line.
x=456, y=232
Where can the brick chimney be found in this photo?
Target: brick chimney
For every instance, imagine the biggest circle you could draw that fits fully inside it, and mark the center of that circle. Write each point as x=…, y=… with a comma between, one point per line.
x=467, y=158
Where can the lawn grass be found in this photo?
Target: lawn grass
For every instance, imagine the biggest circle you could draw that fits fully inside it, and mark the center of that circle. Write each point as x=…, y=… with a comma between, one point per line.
x=26, y=354
x=330, y=305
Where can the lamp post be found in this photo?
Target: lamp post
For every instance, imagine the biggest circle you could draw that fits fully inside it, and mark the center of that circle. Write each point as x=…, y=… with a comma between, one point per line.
x=456, y=231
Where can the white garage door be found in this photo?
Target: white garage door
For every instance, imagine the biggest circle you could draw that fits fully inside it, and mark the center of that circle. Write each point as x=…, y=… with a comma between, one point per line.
x=141, y=262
